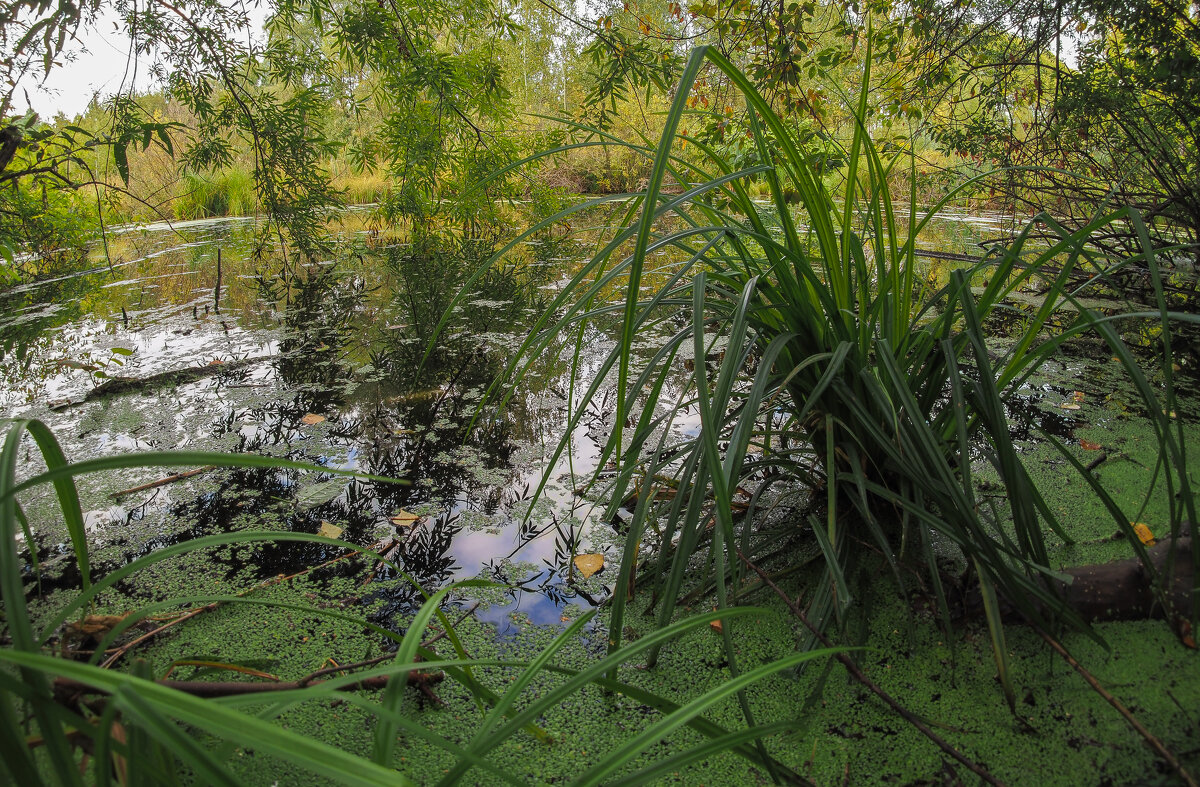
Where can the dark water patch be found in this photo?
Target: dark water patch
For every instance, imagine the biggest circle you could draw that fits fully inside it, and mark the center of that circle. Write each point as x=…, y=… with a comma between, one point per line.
x=1032, y=415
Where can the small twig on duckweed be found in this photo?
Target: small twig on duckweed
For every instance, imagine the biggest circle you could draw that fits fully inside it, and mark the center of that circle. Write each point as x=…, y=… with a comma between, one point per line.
x=453, y=625
x=385, y=554
x=1149, y=737
x=344, y=668
x=861, y=677
x=117, y=653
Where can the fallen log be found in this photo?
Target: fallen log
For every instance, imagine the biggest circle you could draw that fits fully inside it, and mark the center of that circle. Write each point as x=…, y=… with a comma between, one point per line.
x=1124, y=589
x=119, y=385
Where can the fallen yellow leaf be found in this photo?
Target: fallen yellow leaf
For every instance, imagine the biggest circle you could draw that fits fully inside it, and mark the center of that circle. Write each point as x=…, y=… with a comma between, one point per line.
x=1078, y=395
x=405, y=519
x=94, y=625
x=329, y=530
x=312, y=418
x=716, y=626
x=1143, y=533
x=1069, y=406
x=589, y=564
x=1088, y=445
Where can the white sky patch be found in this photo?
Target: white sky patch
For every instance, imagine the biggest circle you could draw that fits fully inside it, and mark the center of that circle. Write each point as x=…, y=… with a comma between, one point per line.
x=99, y=63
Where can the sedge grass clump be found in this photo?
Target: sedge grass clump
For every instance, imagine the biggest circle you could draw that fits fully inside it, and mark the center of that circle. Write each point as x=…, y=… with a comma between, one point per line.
x=843, y=375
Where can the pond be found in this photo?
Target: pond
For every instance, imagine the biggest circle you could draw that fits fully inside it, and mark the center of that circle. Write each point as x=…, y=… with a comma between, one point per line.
x=191, y=339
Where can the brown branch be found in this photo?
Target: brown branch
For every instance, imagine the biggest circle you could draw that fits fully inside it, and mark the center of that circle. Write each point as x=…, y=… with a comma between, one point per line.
x=66, y=687
x=861, y=677
x=163, y=481
x=1149, y=737
x=453, y=625
x=312, y=676
x=128, y=646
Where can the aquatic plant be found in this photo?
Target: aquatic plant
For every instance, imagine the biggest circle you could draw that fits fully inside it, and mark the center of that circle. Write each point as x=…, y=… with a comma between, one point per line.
x=69, y=721
x=821, y=363
x=229, y=193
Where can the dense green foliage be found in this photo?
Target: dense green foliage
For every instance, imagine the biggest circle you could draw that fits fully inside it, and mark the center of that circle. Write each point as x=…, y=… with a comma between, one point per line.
x=405, y=106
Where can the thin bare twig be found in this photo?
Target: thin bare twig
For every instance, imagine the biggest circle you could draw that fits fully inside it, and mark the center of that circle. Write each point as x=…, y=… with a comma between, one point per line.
x=1148, y=736
x=128, y=646
x=163, y=481
x=453, y=625
x=861, y=677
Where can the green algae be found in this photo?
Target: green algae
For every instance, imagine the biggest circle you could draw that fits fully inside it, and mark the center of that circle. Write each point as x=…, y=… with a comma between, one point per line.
x=1063, y=732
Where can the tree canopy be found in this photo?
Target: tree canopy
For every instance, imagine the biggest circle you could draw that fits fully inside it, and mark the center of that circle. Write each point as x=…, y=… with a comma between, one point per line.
x=1081, y=104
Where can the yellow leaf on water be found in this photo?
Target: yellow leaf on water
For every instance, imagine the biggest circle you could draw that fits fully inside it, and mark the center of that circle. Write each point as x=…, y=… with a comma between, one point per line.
x=1069, y=406
x=1143, y=533
x=589, y=564
x=92, y=625
x=405, y=519
x=312, y=418
x=1185, y=633
x=329, y=531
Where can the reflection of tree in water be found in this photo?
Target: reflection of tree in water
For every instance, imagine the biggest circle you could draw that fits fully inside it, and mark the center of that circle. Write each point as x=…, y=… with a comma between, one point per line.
x=434, y=268
x=264, y=498
x=30, y=337
x=320, y=319
x=394, y=417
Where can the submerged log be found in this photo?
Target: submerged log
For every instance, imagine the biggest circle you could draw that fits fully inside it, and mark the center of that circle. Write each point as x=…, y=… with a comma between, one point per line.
x=115, y=385
x=1124, y=589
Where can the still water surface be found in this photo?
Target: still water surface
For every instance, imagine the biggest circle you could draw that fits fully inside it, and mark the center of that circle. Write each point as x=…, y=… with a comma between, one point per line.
x=323, y=363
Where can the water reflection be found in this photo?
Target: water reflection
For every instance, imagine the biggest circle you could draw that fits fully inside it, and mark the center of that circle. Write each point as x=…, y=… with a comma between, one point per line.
x=332, y=370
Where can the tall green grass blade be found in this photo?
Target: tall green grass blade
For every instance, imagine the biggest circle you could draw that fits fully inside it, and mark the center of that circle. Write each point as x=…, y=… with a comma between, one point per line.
x=64, y=488
x=393, y=695
x=318, y=758
x=991, y=609
x=16, y=615
x=678, y=762
x=196, y=758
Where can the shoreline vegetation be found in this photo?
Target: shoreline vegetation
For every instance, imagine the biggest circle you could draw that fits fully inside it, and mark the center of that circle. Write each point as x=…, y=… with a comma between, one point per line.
x=641, y=431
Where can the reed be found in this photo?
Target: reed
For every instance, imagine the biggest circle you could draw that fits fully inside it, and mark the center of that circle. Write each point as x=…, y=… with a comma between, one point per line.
x=842, y=373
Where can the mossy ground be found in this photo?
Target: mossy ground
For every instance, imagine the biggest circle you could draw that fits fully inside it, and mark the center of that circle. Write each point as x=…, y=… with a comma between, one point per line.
x=1062, y=731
